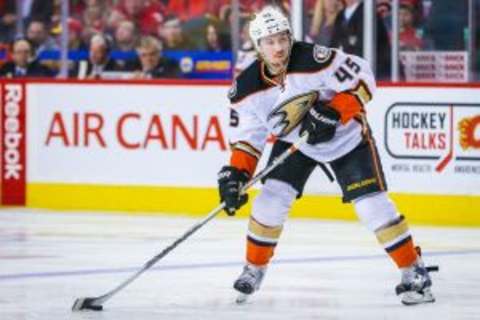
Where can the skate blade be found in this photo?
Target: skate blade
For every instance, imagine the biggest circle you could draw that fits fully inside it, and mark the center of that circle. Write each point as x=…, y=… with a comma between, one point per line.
x=414, y=298
x=242, y=298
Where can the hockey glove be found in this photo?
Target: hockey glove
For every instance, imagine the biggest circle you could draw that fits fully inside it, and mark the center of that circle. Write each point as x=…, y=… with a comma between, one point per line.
x=230, y=182
x=320, y=122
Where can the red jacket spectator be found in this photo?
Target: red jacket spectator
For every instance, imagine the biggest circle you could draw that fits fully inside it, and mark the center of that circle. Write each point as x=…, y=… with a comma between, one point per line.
x=252, y=5
x=147, y=15
x=409, y=40
x=77, y=7
x=190, y=9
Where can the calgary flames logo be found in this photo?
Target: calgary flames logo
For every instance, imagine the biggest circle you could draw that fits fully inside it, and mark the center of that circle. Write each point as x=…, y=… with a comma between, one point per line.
x=467, y=129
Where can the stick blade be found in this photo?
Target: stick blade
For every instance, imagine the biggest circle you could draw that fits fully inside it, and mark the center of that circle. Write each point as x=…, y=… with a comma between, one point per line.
x=86, y=304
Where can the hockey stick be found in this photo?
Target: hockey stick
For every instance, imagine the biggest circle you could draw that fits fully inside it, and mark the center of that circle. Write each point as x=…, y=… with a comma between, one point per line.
x=95, y=303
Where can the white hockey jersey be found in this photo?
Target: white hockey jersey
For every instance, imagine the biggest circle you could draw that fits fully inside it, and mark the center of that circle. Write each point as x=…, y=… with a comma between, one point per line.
x=312, y=68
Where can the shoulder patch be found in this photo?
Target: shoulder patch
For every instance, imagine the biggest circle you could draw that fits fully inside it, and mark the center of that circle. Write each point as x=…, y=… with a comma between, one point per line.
x=308, y=58
x=321, y=54
x=233, y=90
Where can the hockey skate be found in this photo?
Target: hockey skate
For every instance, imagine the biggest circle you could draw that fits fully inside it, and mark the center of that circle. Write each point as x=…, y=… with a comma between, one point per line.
x=415, y=286
x=248, y=282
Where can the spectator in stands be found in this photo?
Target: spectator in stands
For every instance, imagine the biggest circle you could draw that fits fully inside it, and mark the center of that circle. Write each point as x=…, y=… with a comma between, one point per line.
x=216, y=41
x=152, y=63
x=247, y=7
x=409, y=37
x=23, y=63
x=417, y=11
x=125, y=36
x=324, y=14
x=195, y=15
x=36, y=10
x=78, y=7
x=38, y=35
x=7, y=6
x=173, y=36
x=8, y=19
x=348, y=36
x=99, y=59
x=446, y=24
x=187, y=10
x=75, y=40
x=384, y=11
x=39, y=10
x=125, y=41
x=308, y=13
x=247, y=54
x=147, y=14
x=94, y=19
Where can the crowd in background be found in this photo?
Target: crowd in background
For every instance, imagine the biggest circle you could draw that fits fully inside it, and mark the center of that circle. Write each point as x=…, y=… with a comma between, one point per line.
x=148, y=28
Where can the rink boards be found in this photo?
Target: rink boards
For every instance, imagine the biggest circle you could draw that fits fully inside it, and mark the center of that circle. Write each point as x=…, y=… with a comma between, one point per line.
x=157, y=146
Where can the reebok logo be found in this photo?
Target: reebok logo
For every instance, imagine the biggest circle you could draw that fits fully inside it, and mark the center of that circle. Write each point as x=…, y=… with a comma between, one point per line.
x=12, y=135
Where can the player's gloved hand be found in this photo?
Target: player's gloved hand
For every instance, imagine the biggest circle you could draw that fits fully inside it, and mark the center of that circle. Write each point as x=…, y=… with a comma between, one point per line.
x=320, y=122
x=230, y=182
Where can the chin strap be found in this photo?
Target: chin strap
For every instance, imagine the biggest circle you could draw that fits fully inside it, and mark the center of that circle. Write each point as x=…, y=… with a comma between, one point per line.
x=270, y=79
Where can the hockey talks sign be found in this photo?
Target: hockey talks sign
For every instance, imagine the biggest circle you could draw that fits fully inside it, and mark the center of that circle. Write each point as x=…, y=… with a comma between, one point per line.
x=438, y=133
x=12, y=117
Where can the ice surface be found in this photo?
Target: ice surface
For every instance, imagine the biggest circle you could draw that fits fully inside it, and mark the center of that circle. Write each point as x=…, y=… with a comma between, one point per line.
x=323, y=270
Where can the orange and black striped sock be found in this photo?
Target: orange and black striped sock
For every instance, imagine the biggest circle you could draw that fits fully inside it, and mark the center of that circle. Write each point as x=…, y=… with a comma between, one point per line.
x=397, y=241
x=261, y=242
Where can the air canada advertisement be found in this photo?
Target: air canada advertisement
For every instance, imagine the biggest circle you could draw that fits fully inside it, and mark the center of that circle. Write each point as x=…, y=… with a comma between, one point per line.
x=160, y=135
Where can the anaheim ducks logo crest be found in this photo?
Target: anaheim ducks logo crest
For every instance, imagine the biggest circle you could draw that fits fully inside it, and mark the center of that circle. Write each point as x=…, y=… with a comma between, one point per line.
x=289, y=114
x=321, y=54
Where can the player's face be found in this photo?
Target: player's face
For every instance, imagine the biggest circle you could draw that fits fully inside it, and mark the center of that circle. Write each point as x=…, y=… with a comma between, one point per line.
x=275, y=49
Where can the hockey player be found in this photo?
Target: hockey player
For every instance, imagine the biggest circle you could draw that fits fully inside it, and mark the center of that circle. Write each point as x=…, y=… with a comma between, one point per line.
x=268, y=98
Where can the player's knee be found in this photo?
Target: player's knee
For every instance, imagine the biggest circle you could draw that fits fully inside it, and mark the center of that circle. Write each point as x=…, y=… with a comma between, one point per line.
x=272, y=205
x=375, y=210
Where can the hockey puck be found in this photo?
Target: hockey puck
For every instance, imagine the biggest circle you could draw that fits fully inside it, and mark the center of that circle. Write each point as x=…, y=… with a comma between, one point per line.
x=432, y=268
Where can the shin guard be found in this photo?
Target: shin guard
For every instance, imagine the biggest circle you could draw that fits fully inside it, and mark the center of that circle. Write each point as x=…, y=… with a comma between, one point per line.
x=397, y=241
x=261, y=242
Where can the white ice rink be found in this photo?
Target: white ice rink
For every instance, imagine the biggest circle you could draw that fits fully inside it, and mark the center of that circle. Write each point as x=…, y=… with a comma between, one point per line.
x=323, y=270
